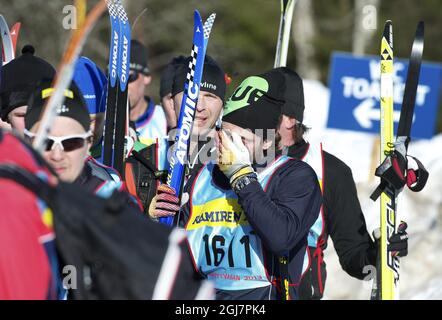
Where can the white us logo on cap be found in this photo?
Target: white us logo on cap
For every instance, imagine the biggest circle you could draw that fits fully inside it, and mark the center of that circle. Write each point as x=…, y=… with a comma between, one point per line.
x=62, y=109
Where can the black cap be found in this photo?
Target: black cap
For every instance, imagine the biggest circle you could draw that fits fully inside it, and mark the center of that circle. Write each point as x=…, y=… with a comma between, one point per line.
x=293, y=94
x=166, y=82
x=138, y=57
x=19, y=78
x=213, y=79
x=74, y=106
x=259, y=101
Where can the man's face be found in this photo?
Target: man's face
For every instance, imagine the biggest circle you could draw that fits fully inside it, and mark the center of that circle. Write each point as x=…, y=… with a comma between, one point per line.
x=17, y=119
x=137, y=87
x=68, y=164
x=207, y=111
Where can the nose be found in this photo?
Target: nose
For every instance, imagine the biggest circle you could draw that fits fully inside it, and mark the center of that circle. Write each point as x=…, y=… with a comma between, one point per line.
x=201, y=104
x=56, y=153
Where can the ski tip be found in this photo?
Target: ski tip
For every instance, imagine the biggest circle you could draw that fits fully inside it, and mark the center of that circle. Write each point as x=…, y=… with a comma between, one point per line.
x=388, y=31
x=420, y=28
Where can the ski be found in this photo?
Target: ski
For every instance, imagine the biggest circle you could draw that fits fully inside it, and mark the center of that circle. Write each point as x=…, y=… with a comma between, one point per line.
x=116, y=101
x=393, y=170
x=121, y=119
x=112, y=85
x=7, y=46
x=285, y=24
x=15, y=31
x=65, y=73
x=389, y=273
x=178, y=159
x=409, y=100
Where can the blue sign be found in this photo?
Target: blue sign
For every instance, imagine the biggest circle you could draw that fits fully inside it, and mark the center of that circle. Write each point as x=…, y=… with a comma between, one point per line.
x=355, y=89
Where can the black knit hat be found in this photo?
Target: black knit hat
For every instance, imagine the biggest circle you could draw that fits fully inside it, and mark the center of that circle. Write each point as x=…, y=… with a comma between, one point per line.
x=19, y=78
x=138, y=58
x=260, y=100
x=74, y=106
x=213, y=79
x=166, y=82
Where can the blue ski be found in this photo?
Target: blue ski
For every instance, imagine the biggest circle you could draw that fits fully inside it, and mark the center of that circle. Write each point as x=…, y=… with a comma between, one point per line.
x=179, y=158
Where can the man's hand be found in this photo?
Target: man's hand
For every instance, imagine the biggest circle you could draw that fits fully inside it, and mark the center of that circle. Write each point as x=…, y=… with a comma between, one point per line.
x=165, y=203
x=234, y=157
x=398, y=245
x=398, y=242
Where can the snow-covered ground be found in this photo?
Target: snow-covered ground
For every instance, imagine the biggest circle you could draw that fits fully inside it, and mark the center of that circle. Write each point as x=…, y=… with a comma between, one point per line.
x=421, y=270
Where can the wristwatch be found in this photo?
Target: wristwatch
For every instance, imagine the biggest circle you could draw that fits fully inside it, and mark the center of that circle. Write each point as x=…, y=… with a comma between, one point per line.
x=243, y=181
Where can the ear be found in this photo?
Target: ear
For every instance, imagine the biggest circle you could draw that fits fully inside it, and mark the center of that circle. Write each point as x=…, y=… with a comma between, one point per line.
x=287, y=122
x=147, y=80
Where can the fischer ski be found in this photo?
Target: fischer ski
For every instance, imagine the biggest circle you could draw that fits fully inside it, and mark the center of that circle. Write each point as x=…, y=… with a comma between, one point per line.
x=65, y=73
x=116, y=101
x=15, y=31
x=178, y=160
x=7, y=45
x=285, y=24
x=394, y=170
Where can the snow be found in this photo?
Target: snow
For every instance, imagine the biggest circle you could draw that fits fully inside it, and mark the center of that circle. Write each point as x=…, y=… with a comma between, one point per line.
x=421, y=270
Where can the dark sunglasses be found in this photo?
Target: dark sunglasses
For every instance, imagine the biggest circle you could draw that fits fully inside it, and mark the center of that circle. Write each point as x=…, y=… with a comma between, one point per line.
x=66, y=143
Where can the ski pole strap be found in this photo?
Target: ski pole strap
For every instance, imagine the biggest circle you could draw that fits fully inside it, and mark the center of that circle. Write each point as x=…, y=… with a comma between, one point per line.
x=416, y=178
x=396, y=172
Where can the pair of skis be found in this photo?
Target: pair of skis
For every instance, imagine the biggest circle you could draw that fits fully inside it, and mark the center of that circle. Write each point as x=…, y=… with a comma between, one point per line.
x=179, y=158
x=393, y=170
x=116, y=117
x=9, y=39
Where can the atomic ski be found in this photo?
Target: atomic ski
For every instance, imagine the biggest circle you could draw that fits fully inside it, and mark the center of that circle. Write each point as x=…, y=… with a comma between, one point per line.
x=7, y=45
x=65, y=73
x=178, y=160
x=121, y=119
x=116, y=100
x=394, y=171
x=285, y=24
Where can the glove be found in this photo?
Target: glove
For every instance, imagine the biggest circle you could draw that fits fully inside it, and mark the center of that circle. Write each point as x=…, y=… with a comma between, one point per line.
x=165, y=203
x=234, y=157
x=398, y=242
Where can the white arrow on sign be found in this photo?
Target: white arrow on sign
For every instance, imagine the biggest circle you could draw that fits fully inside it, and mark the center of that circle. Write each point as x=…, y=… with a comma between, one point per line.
x=365, y=113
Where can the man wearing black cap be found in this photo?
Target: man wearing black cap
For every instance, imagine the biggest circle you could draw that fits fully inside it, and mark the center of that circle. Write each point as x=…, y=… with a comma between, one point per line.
x=150, y=120
x=19, y=78
x=69, y=139
x=208, y=110
x=247, y=221
x=211, y=95
x=341, y=215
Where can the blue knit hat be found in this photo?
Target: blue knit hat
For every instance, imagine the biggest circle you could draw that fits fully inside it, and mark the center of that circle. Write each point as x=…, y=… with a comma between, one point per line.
x=92, y=82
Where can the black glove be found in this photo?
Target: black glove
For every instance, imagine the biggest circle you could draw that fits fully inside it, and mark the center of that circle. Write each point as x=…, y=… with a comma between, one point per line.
x=398, y=245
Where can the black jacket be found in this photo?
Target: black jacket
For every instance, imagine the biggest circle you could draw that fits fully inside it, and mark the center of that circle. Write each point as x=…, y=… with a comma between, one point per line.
x=344, y=219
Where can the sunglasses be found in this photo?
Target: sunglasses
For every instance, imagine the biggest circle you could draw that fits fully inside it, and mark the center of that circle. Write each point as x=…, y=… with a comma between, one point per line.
x=66, y=143
x=133, y=76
